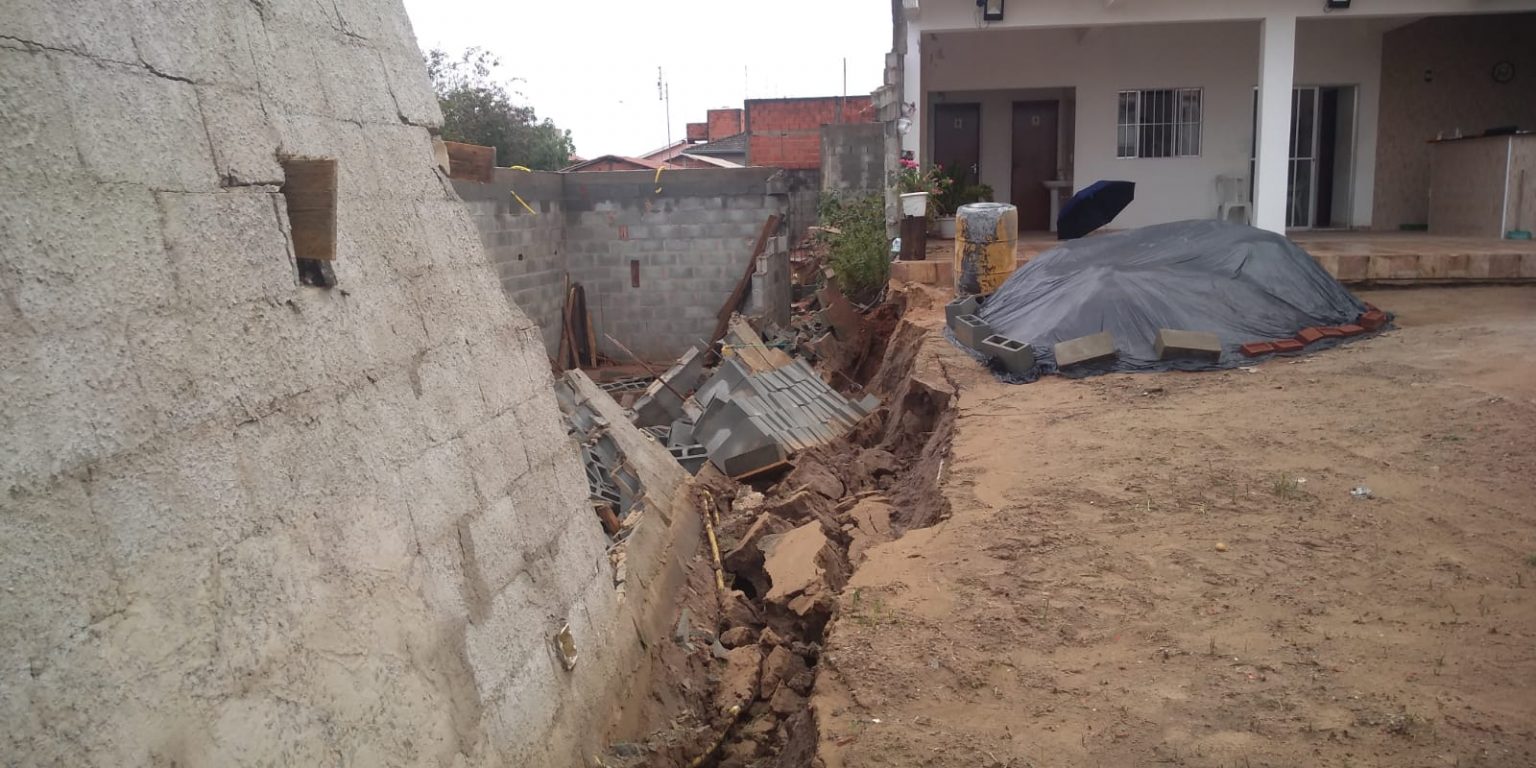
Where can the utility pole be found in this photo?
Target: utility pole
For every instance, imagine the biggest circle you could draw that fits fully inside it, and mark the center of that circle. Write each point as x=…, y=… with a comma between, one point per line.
x=843, y=106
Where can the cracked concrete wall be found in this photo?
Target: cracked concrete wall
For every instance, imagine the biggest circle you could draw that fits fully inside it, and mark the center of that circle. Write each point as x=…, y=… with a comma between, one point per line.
x=245, y=521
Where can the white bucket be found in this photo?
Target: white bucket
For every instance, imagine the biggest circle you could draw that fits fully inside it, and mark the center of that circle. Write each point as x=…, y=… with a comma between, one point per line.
x=914, y=204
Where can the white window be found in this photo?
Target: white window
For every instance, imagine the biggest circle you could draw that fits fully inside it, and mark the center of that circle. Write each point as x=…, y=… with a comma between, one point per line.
x=1162, y=122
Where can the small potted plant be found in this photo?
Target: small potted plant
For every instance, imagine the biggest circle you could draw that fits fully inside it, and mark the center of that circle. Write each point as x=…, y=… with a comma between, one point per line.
x=919, y=189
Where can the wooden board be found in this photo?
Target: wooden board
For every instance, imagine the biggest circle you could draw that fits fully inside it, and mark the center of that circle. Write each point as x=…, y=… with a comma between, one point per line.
x=470, y=162
x=723, y=318
x=309, y=189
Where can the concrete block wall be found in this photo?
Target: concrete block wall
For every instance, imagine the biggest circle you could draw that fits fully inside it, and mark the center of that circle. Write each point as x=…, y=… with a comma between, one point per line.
x=526, y=247
x=802, y=190
x=245, y=521
x=686, y=246
x=853, y=158
x=689, y=243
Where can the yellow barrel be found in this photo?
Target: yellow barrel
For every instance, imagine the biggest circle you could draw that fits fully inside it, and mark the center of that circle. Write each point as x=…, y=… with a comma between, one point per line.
x=986, y=238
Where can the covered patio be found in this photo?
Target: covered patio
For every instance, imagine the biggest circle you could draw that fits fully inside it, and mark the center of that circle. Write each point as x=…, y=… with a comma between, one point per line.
x=1381, y=258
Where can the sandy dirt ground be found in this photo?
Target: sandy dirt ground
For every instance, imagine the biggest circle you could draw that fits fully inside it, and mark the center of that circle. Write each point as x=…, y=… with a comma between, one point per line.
x=1170, y=569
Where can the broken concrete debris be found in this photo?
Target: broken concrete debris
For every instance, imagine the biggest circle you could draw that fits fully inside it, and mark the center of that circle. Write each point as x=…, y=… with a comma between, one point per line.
x=752, y=422
x=662, y=401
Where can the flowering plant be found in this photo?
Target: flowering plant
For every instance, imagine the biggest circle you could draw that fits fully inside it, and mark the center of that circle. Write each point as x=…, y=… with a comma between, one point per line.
x=911, y=177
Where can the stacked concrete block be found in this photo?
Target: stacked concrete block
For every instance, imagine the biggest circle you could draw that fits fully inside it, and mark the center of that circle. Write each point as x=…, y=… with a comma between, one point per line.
x=1085, y=349
x=1016, y=356
x=752, y=422
x=971, y=330
x=663, y=399
x=1172, y=344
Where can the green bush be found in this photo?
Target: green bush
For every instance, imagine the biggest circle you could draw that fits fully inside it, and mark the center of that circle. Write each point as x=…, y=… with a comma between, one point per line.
x=858, y=251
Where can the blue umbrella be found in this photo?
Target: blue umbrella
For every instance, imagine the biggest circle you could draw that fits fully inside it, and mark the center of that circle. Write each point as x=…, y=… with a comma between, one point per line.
x=1098, y=204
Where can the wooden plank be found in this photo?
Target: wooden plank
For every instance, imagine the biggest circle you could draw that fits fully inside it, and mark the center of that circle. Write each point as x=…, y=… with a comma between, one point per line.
x=470, y=162
x=750, y=348
x=309, y=190
x=733, y=302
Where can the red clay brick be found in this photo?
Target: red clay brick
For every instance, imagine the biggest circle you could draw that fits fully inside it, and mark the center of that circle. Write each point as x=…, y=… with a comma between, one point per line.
x=1373, y=319
x=1256, y=348
x=1331, y=332
x=1309, y=335
x=1289, y=345
x=1351, y=330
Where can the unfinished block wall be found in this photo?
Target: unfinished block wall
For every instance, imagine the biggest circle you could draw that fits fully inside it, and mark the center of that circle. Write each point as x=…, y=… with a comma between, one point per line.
x=524, y=241
x=656, y=266
x=853, y=158
x=248, y=521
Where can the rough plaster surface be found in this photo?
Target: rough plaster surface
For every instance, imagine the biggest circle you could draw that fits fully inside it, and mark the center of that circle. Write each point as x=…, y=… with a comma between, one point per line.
x=244, y=521
x=690, y=242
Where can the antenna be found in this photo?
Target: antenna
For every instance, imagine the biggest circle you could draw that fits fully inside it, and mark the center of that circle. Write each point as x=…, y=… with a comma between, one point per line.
x=664, y=95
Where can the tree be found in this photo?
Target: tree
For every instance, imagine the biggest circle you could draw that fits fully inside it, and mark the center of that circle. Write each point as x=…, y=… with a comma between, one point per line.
x=477, y=109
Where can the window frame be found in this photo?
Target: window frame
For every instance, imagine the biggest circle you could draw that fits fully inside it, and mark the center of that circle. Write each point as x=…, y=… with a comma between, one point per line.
x=1132, y=124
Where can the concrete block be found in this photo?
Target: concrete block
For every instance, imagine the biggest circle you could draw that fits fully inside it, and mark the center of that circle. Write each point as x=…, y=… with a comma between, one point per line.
x=691, y=457
x=1196, y=344
x=971, y=330
x=1085, y=349
x=680, y=434
x=965, y=305
x=1016, y=356
x=757, y=459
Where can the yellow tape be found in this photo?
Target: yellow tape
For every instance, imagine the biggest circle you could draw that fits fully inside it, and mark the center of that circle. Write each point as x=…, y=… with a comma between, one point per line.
x=657, y=180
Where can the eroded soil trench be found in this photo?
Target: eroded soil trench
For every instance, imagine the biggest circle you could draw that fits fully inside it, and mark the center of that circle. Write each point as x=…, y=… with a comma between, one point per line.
x=743, y=662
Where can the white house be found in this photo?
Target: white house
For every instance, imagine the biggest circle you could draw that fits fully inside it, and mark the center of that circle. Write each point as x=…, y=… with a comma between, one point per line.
x=1322, y=110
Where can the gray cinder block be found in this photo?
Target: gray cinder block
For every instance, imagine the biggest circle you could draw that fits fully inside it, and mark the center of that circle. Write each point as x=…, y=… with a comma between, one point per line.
x=1197, y=344
x=971, y=330
x=1016, y=356
x=965, y=305
x=1085, y=349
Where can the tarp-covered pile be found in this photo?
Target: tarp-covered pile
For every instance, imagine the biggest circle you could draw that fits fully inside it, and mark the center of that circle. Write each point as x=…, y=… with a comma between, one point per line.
x=1242, y=284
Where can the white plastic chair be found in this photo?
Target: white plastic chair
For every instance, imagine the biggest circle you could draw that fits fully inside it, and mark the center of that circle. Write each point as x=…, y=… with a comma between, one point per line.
x=1232, y=192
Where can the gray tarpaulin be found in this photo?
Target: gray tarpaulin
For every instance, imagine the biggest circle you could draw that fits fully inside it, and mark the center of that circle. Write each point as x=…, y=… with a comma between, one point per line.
x=1240, y=283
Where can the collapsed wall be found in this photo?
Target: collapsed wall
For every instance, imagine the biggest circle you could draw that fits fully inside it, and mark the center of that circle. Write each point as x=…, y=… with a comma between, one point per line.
x=244, y=519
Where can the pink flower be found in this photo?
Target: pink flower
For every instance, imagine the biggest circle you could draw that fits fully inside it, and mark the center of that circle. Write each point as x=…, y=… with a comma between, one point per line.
x=905, y=163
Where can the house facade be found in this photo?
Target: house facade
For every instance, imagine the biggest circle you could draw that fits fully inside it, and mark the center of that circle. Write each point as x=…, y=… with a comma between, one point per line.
x=1295, y=114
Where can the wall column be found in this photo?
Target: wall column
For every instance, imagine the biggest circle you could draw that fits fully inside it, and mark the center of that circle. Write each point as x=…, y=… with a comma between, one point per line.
x=912, y=92
x=1277, y=68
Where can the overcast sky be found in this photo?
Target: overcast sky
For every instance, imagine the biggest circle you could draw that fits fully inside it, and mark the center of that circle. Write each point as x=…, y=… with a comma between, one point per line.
x=590, y=65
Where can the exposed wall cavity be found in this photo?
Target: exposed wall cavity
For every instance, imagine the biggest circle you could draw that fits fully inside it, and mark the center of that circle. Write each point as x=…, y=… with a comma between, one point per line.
x=245, y=520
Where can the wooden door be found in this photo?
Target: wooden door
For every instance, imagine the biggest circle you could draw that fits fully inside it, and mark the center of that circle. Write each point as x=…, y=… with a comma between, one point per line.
x=1034, y=162
x=957, y=140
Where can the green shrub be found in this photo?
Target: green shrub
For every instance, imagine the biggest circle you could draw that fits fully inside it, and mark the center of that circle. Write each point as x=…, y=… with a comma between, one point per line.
x=858, y=251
